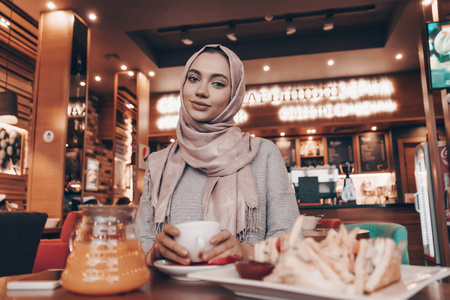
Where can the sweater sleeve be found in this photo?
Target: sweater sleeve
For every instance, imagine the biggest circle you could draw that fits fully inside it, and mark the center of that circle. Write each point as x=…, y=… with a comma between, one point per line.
x=144, y=217
x=278, y=204
x=282, y=207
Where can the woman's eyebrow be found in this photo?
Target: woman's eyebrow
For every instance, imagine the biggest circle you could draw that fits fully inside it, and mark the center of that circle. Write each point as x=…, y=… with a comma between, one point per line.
x=214, y=75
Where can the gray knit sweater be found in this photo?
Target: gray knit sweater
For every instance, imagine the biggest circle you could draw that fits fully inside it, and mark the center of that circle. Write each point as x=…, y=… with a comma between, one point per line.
x=278, y=206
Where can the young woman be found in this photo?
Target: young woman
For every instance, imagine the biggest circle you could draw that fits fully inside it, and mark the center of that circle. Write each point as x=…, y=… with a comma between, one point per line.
x=214, y=171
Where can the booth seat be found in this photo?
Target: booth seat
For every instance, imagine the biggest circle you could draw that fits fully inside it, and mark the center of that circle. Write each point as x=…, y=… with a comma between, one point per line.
x=20, y=233
x=384, y=229
x=52, y=253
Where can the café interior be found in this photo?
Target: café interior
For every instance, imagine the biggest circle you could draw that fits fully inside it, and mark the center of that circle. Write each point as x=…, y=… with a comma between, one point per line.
x=341, y=87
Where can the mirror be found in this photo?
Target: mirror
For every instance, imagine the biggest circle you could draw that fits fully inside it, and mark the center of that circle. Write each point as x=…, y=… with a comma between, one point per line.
x=125, y=144
x=77, y=114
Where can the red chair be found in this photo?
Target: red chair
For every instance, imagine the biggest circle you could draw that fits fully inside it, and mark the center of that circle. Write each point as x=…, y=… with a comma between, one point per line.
x=329, y=223
x=52, y=253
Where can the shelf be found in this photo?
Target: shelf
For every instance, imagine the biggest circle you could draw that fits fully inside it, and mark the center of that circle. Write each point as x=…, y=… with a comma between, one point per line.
x=311, y=156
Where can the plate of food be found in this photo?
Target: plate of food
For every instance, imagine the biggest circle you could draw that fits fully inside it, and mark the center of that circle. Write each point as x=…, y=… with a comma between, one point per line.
x=338, y=267
x=179, y=272
x=414, y=278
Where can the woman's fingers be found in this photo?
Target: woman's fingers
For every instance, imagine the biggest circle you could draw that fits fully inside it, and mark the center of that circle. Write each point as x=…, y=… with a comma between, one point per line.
x=225, y=245
x=170, y=249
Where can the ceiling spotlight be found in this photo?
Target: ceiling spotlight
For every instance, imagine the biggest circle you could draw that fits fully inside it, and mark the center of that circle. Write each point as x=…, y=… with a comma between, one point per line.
x=231, y=34
x=185, y=38
x=268, y=18
x=130, y=73
x=328, y=24
x=98, y=78
x=92, y=17
x=374, y=128
x=290, y=27
x=172, y=140
x=282, y=134
x=123, y=67
x=266, y=68
x=51, y=5
x=399, y=56
x=330, y=62
x=252, y=135
x=82, y=83
x=129, y=106
x=151, y=73
x=310, y=138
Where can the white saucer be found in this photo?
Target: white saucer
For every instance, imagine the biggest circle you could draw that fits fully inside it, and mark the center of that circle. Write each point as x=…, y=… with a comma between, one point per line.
x=179, y=272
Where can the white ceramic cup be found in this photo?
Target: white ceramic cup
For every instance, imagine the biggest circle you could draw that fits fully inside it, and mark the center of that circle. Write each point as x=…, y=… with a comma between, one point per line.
x=196, y=236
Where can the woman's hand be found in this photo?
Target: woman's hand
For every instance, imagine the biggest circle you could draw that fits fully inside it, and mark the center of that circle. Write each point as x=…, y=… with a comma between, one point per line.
x=165, y=246
x=225, y=244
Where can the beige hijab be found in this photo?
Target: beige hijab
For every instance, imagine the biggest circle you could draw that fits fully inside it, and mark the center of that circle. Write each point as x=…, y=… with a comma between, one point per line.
x=217, y=148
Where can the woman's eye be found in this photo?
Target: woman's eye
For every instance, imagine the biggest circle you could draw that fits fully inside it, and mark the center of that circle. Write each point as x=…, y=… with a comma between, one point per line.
x=193, y=78
x=218, y=84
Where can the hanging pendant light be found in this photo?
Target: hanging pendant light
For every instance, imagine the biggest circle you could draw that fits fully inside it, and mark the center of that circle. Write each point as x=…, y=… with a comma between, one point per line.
x=8, y=107
x=8, y=99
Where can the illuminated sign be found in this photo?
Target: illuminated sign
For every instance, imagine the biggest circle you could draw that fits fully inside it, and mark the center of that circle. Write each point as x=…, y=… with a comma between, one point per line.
x=300, y=102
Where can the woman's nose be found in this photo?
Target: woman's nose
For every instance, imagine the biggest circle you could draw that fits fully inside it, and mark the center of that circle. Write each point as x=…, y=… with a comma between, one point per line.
x=202, y=90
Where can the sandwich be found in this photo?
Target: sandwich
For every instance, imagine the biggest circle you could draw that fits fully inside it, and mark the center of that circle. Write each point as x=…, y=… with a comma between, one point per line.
x=339, y=263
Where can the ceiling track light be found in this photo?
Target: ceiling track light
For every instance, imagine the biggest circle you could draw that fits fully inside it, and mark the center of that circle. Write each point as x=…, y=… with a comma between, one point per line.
x=185, y=38
x=290, y=27
x=328, y=23
x=231, y=33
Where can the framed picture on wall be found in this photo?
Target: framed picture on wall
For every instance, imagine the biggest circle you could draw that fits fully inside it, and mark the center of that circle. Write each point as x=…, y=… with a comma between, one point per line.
x=92, y=166
x=11, y=150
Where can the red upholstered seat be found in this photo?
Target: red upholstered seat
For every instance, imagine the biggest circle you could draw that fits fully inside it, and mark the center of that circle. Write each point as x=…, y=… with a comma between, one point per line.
x=52, y=253
x=329, y=223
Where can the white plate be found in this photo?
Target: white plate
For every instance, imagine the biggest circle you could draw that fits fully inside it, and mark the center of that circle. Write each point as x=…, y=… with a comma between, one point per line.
x=180, y=272
x=414, y=278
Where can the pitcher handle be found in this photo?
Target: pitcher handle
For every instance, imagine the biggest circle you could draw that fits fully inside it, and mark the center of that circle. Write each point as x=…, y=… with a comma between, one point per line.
x=74, y=234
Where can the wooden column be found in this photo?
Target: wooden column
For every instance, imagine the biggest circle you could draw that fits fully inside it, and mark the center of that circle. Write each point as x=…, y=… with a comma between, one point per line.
x=51, y=94
x=143, y=100
x=438, y=189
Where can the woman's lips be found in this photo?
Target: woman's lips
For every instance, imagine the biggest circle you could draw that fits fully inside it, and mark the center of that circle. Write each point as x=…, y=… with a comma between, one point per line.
x=197, y=105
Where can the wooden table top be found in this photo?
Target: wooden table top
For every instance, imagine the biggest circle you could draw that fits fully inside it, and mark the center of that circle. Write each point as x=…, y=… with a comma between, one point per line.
x=161, y=286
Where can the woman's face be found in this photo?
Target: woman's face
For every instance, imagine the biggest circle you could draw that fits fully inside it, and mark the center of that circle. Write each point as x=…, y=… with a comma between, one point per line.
x=207, y=89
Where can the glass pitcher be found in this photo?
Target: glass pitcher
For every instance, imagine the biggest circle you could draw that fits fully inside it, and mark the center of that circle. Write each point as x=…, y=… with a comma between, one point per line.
x=106, y=256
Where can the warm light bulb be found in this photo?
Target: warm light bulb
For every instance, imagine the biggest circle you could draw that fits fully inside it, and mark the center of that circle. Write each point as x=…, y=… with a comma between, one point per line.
x=123, y=67
x=266, y=68
x=130, y=73
x=282, y=134
x=252, y=135
x=98, y=78
x=172, y=140
x=399, y=56
x=374, y=128
x=330, y=62
x=82, y=83
x=310, y=138
x=92, y=17
x=51, y=5
x=151, y=73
